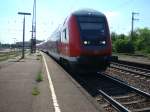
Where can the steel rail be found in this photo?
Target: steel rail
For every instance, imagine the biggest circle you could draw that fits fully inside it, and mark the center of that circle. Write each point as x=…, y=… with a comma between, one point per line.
x=140, y=92
x=129, y=66
x=114, y=103
x=131, y=71
x=137, y=64
x=118, y=106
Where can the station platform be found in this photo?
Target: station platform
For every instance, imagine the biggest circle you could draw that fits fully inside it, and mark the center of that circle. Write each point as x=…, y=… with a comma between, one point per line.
x=71, y=97
x=18, y=79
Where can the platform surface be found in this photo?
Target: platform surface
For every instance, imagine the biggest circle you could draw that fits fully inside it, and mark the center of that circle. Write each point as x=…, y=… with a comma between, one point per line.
x=70, y=96
x=18, y=78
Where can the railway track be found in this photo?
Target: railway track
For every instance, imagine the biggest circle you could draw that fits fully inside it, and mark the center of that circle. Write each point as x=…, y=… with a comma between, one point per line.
x=135, y=64
x=130, y=100
x=131, y=69
x=113, y=94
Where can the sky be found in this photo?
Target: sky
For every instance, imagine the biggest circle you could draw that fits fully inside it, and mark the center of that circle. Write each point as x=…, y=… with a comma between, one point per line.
x=51, y=13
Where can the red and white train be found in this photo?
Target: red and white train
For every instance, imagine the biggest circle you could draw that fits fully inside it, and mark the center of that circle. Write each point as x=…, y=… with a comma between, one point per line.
x=83, y=42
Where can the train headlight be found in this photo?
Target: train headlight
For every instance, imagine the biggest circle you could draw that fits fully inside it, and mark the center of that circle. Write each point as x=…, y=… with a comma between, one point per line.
x=85, y=42
x=104, y=42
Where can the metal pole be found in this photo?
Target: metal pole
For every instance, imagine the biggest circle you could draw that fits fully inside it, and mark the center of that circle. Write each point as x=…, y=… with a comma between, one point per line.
x=33, y=40
x=23, y=13
x=132, y=25
x=23, y=37
x=35, y=28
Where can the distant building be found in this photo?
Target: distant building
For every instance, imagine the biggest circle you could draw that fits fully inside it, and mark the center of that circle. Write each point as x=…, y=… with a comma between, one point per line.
x=27, y=44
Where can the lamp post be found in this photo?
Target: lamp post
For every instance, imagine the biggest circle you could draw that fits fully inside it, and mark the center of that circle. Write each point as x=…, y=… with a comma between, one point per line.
x=23, y=13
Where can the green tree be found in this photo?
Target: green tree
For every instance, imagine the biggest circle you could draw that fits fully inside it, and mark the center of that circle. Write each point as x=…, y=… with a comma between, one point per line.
x=142, y=41
x=114, y=38
x=124, y=46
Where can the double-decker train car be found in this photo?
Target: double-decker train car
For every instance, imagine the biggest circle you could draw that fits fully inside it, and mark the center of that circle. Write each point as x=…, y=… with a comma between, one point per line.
x=82, y=42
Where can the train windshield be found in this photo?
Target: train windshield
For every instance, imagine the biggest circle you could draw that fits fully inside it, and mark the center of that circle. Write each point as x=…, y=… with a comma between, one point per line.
x=92, y=27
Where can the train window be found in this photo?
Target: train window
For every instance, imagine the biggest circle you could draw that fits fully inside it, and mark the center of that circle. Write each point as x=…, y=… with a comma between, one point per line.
x=67, y=35
x=92, y=26
x=64, y=36
x=92, y=23
x=64, y=31
x=91, y=19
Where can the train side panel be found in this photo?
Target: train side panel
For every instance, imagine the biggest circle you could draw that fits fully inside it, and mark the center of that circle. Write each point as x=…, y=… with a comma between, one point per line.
x=82, y=42
x=74, y=37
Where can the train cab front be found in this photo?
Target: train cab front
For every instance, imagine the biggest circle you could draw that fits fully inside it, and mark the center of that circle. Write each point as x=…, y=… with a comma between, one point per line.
x=95, y=42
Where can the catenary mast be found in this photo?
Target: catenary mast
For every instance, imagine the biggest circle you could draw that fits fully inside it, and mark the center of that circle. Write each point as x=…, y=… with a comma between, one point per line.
x=33, y=39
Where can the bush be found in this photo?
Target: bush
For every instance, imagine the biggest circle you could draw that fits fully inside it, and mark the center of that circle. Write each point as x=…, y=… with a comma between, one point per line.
x=124, y=46
x=142, y=41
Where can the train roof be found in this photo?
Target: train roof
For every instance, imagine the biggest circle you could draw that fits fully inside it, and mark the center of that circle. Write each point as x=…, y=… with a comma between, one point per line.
x=87, y=12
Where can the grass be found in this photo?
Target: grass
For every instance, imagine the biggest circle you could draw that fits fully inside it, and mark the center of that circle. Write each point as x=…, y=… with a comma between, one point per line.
x=7, y=55
x=39, y=57
x=3, y=58
x=35, y=91
x=39, y=77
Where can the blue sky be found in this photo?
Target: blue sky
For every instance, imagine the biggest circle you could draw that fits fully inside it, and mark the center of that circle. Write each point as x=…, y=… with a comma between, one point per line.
x=51, y=13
